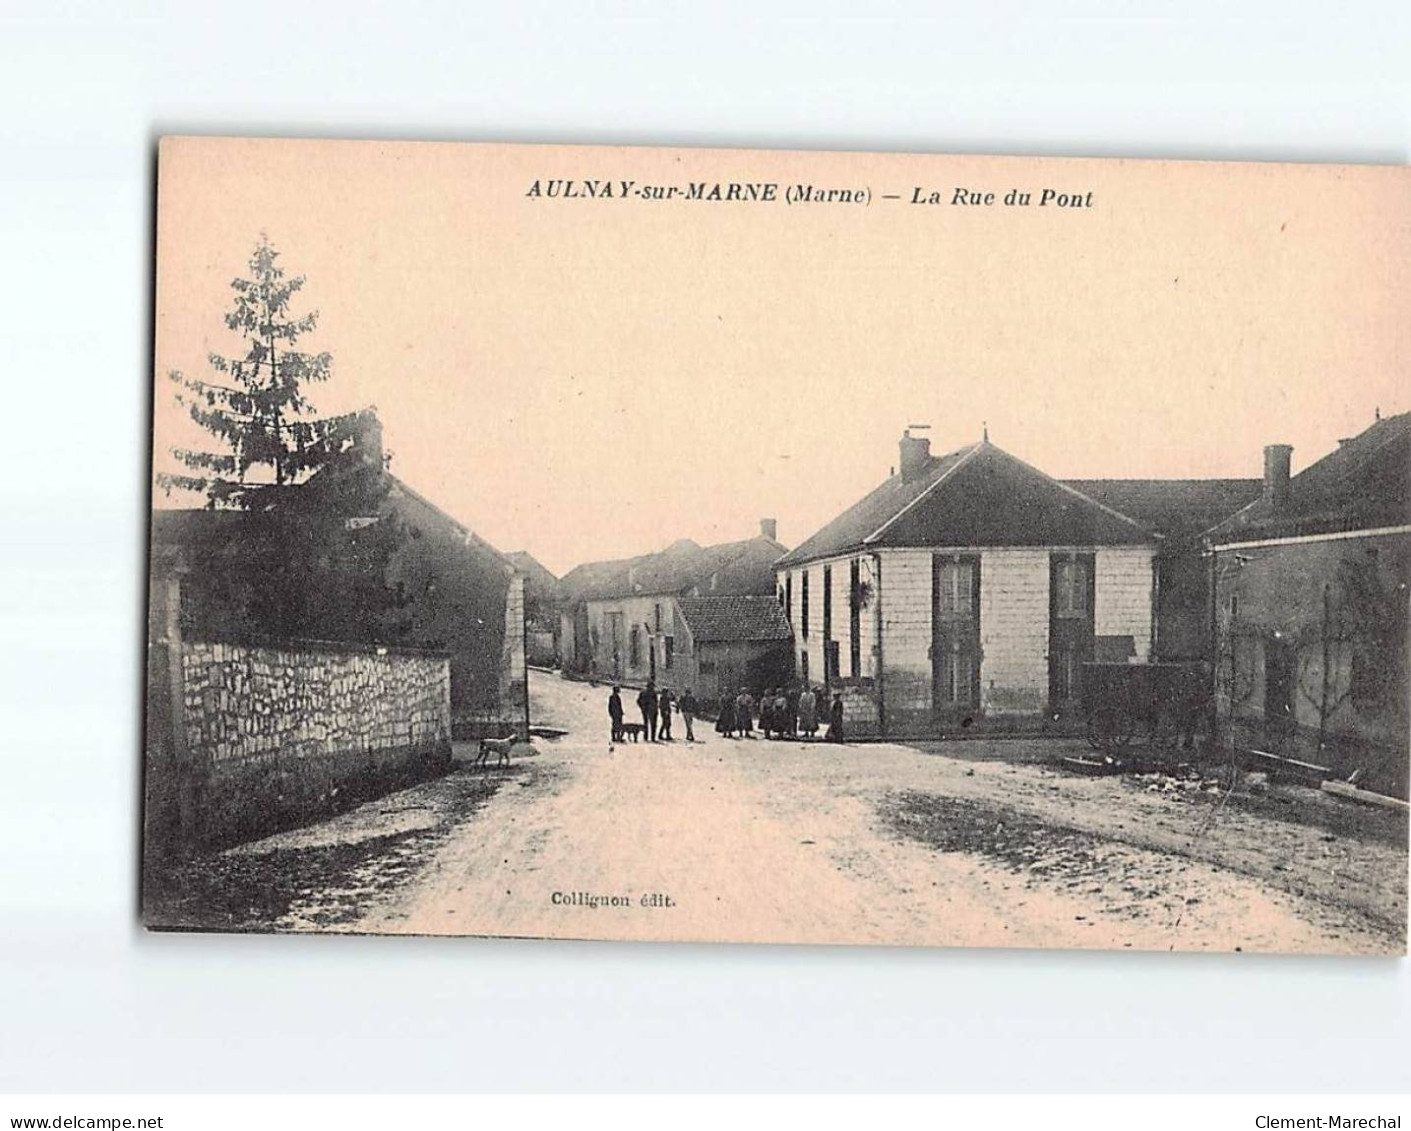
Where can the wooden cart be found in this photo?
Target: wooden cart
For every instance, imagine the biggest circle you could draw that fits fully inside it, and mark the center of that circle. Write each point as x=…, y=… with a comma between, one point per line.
x=1162, y=704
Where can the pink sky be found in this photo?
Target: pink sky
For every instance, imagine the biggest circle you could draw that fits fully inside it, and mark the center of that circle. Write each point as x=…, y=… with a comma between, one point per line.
x=597, y=378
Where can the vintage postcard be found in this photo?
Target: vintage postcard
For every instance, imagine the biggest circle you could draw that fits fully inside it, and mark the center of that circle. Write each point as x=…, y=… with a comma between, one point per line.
x=746, y=546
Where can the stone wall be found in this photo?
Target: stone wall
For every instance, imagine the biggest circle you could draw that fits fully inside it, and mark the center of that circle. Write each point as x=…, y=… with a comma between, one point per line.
x=1335, y=609
x=279, y=734
x=1125, y=592
x=639, y=612
x=812, y=643
x=1014, y=628
x=1014, y=621
x=514, y=662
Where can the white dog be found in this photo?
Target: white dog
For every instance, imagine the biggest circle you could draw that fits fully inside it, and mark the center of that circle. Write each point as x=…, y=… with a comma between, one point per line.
x=488, y=746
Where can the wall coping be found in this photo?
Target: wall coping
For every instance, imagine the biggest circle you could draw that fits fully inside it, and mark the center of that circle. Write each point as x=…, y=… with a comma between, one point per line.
x=298, y=644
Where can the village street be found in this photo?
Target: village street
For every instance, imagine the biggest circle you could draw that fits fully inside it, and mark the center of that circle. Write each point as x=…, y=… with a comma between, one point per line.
x=880, y=843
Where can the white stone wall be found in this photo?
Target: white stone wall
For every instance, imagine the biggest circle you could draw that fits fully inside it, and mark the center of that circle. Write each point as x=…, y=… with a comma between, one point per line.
x=867, y=627
x=248, y=702
x=1014, y=622
x=906, y=632
x=641, y=612
x=1014, y=619
x=513, y=661
x=1124, y=595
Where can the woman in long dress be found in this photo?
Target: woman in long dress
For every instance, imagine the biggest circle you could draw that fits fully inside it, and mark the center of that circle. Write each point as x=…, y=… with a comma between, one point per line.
x=766, y=712
x=808, y=713
x=835, y=721
x=725, y=724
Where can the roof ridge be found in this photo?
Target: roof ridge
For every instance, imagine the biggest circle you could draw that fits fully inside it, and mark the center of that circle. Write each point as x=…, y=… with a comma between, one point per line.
x=946, y=474
x=1356, y=459
x=1113, y=511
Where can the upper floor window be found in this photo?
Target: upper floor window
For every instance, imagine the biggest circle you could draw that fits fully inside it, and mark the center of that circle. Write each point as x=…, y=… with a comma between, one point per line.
x=1070, y=579
x=956, y=589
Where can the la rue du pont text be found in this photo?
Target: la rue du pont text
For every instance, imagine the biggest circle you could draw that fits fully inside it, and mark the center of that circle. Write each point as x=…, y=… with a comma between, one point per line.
x=1014, y=198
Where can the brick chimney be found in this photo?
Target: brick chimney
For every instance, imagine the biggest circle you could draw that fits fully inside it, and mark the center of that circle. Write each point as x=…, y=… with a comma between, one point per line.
x=769, y=528
x=915, y=454
x=1277, y=459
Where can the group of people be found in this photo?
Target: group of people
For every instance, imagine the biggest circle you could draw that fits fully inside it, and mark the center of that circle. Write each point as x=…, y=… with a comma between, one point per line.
x=781, y=713
x=657, y=708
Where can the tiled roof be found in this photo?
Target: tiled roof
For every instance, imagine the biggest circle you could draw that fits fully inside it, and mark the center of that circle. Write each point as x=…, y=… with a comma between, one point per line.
x=744, y=566
x=1361, y=485
x=977, y=496
x=723, y=619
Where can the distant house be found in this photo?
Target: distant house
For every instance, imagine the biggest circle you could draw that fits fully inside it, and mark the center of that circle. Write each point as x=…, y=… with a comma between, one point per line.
x=725, y=643
x=971, y=586
x=1311, y=609
x=542, y=604
x=457, y=594
x=467, y=598
x=620, y=618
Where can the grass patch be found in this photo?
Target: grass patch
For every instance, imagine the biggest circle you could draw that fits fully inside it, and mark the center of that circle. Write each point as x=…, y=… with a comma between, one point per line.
x=327, y=884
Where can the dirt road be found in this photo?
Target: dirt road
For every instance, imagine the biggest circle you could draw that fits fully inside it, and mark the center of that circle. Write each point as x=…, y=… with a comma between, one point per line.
x=756, y=841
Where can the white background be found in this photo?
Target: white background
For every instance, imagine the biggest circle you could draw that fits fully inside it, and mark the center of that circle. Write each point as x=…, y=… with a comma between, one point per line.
x=89, y=1002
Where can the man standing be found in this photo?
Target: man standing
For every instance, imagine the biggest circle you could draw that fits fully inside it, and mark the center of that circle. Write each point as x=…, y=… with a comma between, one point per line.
x=647, y=704
x=744, y=713
x=665, y=700
x=615, y=713
x=791, y=711
x=687, y=706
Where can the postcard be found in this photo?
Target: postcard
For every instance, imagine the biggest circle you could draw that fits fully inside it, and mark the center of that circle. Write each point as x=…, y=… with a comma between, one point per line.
x=749, y=546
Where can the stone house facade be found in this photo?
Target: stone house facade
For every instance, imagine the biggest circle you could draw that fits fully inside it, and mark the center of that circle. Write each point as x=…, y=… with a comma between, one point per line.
x=967, y=590
x=468, y=599
x=1311, y=611
x=622, y=620
x=726, y=643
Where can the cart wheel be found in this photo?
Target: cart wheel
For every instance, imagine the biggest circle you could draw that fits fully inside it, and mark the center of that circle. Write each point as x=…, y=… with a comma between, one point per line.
x=1165, y=730
x=1124, y=730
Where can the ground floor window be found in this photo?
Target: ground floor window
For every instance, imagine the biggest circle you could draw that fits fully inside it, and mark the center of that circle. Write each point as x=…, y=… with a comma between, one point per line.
x=957, y=676
x=1068, y=674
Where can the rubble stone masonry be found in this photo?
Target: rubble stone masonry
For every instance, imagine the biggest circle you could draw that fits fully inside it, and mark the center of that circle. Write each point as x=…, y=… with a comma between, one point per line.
x=278, y=734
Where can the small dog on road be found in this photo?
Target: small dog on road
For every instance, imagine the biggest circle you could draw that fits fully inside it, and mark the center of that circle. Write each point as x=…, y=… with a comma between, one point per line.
x=632, y=732
x=488, y=746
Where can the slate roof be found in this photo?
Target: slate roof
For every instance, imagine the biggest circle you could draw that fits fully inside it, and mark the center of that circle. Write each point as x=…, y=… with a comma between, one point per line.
x=737, y=619
x=850, y=529
x=745, y=566
x=1180, y=510
x=976, y=496
x=1361, y=485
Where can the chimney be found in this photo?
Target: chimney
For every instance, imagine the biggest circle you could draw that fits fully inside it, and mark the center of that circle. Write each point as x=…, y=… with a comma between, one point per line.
x=769, y=528
x=915, y=454
x=368, y=438
x=1277, y=458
